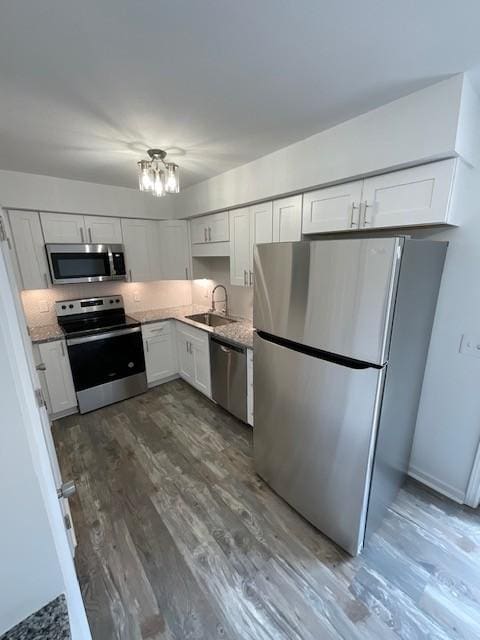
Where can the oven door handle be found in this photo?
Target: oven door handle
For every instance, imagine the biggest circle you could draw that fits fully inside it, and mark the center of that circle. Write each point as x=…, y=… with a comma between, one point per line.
x=102, y=336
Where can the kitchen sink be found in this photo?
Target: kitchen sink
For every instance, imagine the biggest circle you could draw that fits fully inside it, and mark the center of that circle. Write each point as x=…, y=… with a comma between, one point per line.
x=210, y=319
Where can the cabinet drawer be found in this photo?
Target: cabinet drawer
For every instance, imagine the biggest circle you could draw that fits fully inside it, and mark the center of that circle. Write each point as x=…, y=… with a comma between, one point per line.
x=156, y=329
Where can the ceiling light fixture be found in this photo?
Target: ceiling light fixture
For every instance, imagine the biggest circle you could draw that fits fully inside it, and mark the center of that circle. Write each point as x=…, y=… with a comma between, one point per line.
x=156, y=175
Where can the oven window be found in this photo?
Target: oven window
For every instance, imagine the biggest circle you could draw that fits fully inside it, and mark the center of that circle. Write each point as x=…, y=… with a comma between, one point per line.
x=80, y=265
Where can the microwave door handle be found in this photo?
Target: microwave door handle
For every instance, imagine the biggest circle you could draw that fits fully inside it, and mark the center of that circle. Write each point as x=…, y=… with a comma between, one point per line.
x=112, y=264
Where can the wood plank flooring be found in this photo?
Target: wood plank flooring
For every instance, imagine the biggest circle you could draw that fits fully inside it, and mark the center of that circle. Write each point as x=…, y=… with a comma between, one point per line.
x=179, y=539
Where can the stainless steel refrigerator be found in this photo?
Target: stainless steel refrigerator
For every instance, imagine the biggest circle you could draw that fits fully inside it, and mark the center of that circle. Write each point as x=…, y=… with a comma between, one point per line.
x=342, y=333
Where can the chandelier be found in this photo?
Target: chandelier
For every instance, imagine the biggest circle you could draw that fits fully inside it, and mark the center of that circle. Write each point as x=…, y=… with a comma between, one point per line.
x=157, y=176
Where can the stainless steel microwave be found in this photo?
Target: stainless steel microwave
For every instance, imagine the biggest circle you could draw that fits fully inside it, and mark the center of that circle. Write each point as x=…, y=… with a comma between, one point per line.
x=70, y=263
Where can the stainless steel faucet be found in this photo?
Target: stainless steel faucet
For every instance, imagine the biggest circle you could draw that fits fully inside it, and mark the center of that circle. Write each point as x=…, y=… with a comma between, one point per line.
x=225, y=309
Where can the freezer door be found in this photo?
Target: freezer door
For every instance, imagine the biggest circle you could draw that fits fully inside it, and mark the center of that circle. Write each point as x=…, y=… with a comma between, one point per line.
x=314, y=436
x=334, y=295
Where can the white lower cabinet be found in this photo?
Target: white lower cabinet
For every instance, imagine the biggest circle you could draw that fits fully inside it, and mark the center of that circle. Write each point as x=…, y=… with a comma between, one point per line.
x=159, y=346
x=194, y=357
x=56, y=378
x=250, y=387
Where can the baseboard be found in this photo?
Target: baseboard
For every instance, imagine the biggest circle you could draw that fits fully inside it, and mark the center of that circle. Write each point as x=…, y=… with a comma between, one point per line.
x=437, y=485
x=151, y=385
x=63, y=414
x=472, y=496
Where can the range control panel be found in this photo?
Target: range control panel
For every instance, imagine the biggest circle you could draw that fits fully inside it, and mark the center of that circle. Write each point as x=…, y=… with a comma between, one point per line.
x=88, y=305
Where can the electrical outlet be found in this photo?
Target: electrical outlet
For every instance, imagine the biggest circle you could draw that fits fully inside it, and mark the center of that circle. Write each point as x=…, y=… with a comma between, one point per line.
x=43, y=306
x=470, y=346
x=136, y=296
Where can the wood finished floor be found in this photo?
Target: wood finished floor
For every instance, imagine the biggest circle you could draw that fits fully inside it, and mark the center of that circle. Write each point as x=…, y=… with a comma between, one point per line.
x=178, y=539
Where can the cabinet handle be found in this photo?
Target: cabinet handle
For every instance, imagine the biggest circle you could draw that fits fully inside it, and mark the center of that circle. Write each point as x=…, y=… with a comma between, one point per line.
x=62, y=347
x=157, y=329
x=209, y=234
x=45, y=277
x=205, y=234
x=365, y=207
x=251, y=278
x=245, y=277
x=81, y=235
x=186, y=273
x=90, y=234
x=186, y=346
x=146, y=345
x=352, y=222
x=41, y=367
x=130, y=274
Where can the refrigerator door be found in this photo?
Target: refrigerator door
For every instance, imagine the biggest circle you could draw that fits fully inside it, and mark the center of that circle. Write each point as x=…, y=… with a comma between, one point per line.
x=334, y=295
x=314, y=436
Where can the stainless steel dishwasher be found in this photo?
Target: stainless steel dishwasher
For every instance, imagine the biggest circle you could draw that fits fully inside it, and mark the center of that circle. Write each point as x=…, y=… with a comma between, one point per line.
x=228, y=364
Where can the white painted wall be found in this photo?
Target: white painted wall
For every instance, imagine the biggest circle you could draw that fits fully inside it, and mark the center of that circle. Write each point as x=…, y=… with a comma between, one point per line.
x=44, y=193
x=448, y=424
x=417, y=128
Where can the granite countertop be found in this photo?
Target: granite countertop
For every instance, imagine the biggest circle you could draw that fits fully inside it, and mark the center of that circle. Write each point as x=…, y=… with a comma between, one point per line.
x=239, y=332
x=48, y=623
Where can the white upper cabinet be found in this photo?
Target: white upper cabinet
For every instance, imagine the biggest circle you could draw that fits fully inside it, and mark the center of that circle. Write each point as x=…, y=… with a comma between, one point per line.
x=174, y=250
x=141, y=240
x=29, y=249
x=63, y=228
x=287, y=219
x=103, y=230
x=240, y=247
x=333, y=208
x=417, y=196
x=262, y=223
x=212, y=228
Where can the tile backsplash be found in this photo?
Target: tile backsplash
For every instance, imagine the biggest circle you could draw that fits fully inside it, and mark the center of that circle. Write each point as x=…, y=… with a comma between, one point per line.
x=39, y=305
x=211, y=271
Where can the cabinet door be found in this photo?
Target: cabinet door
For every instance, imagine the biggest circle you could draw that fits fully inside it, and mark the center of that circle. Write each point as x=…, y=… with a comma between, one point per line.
x=334, y=208
x=201, y=363
x=103, y=229
x=30, y=249
x=58, y=376
x=63, y=227
x=240, y=247
x=287, y=219
x=199, y=230
x=140, y=238
x=262, y=222
x=174, y=250
x=218, y=227
x=160, y=351
x=417, y=196
x=185, y=359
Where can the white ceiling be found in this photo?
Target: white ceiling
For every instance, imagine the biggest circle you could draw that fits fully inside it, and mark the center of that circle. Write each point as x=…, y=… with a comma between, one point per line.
x=87, y=86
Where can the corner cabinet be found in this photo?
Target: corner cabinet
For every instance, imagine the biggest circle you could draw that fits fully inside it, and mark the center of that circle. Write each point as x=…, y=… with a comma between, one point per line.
x=194, y=357
x=413, y=197
x=175, y=250
x=56, y=378
x=160, y=349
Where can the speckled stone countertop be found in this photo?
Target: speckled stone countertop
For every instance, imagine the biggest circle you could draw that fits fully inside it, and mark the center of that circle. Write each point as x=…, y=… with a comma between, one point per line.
x=239, y=332
x=46, y=333
x=48, y=623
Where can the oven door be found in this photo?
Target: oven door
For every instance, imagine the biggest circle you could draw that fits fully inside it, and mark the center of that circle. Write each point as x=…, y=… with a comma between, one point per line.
x=107, y=367
x=71, y=263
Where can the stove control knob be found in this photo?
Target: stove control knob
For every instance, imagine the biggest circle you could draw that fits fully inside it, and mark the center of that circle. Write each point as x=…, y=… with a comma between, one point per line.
x=64, y=306
x=111, y=301
x=70, y=306
x=117, y=300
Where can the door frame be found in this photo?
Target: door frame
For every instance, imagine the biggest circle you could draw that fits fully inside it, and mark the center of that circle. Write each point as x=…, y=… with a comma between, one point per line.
x=472, y=495
x=21, y=361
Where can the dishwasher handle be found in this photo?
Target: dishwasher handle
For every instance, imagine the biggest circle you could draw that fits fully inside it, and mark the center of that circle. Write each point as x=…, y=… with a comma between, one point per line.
x=226, y=347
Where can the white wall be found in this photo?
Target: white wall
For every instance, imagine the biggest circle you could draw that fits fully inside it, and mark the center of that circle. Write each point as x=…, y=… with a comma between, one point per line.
x=417, y=128
x=448, y=424
x=44, y=193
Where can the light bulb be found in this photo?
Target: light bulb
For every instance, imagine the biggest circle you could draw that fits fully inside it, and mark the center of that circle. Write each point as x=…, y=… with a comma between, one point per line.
x=159, y=182
x=145, y=182
x=172, y=184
